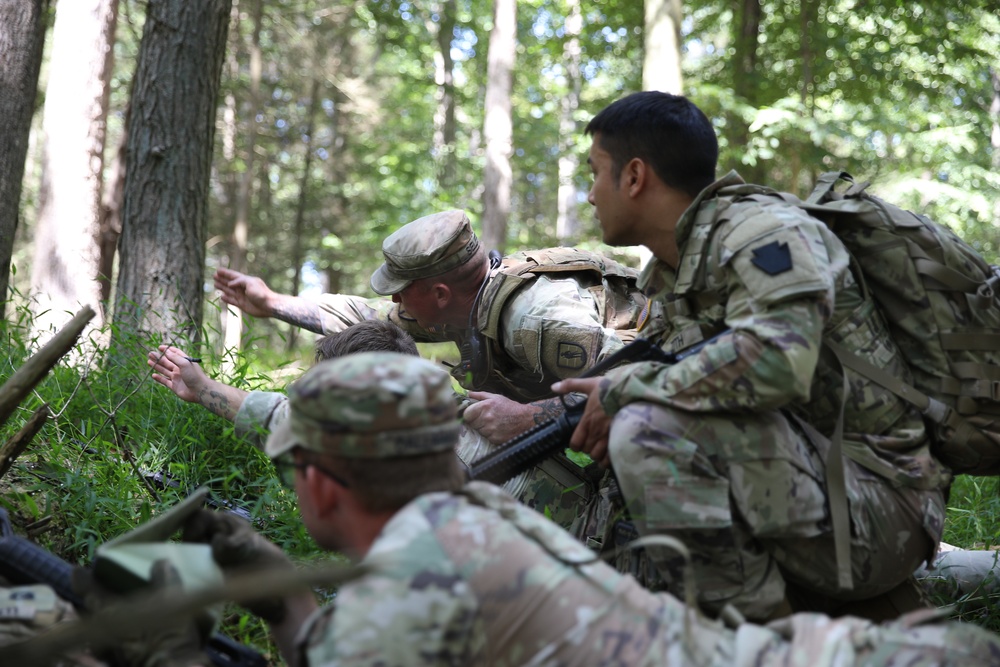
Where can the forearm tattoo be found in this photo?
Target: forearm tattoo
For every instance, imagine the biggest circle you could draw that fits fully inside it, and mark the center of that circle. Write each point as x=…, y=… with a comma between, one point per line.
x=547, y=410
x=218, y=403
x=301, y=313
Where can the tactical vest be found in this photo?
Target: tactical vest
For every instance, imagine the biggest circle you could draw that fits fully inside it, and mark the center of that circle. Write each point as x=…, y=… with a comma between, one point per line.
x=620, y=307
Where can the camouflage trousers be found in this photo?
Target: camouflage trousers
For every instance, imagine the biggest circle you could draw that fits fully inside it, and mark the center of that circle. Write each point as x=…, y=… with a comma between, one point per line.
x=747, y=495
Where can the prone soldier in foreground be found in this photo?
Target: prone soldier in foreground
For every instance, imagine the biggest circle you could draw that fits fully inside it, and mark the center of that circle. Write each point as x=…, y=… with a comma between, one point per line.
x=462, y=574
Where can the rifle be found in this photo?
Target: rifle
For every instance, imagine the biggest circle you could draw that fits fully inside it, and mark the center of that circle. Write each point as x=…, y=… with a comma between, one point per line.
x=24, y=562
x=538, y=443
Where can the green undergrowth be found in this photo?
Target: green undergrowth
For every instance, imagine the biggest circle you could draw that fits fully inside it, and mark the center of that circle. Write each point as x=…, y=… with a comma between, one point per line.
x=89, y=475
x=84, y=478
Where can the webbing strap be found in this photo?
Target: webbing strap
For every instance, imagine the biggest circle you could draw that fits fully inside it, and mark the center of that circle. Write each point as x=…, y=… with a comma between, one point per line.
x=970, y=370
x=933, y=409
x=825, y=184
x=836, y=491
x=950, y=278
x=970, y=340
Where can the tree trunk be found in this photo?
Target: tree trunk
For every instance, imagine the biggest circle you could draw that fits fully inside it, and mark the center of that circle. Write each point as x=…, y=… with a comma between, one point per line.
x=66, y=267
x=567, y=220
x=498, y=128
x=745, y=81
x=444, y=117
x=661, y=63
x=995, y=136
x=241, y=227
x=22, y=35
x=298, y=255
x=111, y=218
x=173, y=109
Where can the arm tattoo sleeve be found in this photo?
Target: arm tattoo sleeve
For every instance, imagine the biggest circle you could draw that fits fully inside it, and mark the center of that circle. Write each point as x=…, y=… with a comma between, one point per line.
x=301, y=313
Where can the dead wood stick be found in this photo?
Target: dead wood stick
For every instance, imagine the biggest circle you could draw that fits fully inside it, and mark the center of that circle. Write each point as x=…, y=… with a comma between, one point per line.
x=10, y=451
x=40, y=363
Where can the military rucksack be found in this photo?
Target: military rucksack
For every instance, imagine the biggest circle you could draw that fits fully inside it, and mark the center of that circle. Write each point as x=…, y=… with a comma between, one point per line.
x=941, y=302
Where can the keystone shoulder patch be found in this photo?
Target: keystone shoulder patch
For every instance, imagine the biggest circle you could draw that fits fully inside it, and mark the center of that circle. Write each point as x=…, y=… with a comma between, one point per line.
x=773, y=258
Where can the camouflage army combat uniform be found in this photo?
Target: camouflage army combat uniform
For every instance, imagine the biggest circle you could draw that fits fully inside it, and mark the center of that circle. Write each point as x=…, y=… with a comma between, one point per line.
x=547, y=315
x=724, y=449
x=474, y=578
x=544, y=315
x=556, y=488
x=471, y=577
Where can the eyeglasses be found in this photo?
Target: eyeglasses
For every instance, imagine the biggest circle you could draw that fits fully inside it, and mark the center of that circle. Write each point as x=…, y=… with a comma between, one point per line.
x=287, y=465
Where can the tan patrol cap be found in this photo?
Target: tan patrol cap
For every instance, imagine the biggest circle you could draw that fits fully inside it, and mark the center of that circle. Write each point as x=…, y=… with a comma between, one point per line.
x=369, y=405
x=426, y=247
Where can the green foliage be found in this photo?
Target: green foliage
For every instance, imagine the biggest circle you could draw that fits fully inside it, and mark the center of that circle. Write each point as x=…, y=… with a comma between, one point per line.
x=85, y=477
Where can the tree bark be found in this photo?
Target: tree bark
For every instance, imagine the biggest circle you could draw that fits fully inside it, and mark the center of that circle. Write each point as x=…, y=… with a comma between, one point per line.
x=64, y=274
x=661, y=63
x=444, y=76
x=22, y=35
x=241, y=227
x=995, y=136
x=567, y=220
x=746, y=81
x=162, y=247
x=298, y=255
x=498, y=128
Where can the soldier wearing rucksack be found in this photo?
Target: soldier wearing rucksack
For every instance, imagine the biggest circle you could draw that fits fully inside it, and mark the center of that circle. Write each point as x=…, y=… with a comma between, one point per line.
x=797, y=482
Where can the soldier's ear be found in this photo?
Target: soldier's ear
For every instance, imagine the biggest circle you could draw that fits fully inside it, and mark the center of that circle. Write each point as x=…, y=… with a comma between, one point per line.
x=323, y=492
x=634, y=175
x=442, y=294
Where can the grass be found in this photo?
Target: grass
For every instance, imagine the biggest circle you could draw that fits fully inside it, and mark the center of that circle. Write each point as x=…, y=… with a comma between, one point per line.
x=81, y=482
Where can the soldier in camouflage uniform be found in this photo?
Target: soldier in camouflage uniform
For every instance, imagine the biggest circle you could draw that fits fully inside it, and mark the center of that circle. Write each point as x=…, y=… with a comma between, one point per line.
x=464, y=575
x=729, y=450
x=522, y=322
x=553, y=488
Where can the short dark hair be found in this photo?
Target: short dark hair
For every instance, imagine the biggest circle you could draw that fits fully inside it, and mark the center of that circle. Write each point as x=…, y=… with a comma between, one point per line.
x=667, y=131
x=390, y=483
x=367, y=336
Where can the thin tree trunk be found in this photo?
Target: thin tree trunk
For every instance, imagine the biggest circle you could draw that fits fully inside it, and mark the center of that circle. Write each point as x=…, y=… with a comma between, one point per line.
x=661, y=63
x=444, y=77
x=995, y=136
x=22, y=35
x=498, y=128
x=300, y=208
x=746, y=80
x=567, y=219
x=241, y=228
x=162, y=247
x=67, y=236
x=111, y=218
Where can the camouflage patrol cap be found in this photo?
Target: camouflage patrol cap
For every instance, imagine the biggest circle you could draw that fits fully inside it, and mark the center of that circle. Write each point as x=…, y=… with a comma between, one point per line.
x=426, y=247
x=369, y=405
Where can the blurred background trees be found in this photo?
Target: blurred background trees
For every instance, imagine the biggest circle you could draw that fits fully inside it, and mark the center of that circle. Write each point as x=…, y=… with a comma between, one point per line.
x=336, y=123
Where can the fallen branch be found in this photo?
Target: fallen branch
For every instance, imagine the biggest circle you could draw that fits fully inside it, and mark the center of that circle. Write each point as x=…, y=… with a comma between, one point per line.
x=21, y=440
x=40, y=363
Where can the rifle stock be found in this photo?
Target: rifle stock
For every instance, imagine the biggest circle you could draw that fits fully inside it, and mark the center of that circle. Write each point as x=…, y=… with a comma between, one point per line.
x=24, y=562
x=538, y=443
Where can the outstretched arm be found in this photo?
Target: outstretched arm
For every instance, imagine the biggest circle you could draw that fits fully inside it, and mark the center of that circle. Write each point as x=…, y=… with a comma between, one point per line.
x=252, y=295
x=174, y=370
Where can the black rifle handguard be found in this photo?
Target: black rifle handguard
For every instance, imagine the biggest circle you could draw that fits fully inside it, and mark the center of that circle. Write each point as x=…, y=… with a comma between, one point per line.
x=542, y=441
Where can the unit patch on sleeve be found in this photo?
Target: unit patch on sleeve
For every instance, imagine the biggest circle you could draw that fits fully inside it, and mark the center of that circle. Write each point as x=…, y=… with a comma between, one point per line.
x=773, y=258
x=571, y=355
